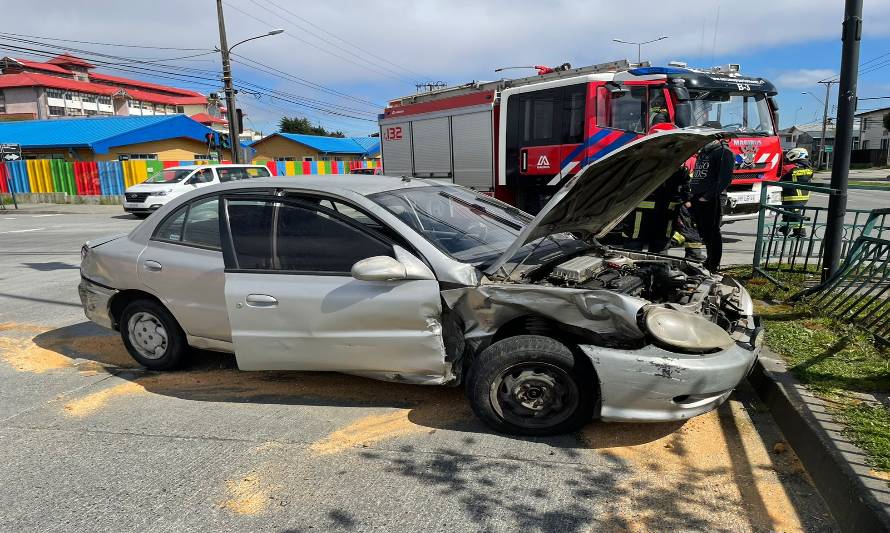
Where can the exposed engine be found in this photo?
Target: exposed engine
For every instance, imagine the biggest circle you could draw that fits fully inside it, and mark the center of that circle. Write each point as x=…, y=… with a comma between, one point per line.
x=650, y=277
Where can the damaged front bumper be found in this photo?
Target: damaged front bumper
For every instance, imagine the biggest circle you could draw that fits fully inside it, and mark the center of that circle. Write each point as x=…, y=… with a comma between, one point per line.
x=655, y=385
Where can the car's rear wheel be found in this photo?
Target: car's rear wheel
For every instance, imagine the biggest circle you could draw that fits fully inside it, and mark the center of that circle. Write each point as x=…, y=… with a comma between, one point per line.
x=152, y=335
x=531, y=385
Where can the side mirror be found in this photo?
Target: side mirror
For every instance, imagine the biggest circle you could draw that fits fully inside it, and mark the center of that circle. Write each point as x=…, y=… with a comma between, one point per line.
x=615, y=90
x=379, y=268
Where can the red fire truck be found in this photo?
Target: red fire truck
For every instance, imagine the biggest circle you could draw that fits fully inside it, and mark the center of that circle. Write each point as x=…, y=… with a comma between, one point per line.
x=519, y=139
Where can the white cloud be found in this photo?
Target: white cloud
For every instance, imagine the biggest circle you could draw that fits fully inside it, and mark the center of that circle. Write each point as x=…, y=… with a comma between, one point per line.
x=803, y=78
x=449, y=40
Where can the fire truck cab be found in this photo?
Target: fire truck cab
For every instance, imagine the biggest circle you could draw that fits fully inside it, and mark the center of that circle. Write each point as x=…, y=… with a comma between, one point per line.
x=520, y=139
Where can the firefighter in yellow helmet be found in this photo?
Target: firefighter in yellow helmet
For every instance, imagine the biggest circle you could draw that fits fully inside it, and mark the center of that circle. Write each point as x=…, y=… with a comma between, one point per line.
x=796, y=169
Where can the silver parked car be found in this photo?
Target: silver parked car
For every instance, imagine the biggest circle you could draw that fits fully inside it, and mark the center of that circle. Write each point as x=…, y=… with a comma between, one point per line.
x=417, y=281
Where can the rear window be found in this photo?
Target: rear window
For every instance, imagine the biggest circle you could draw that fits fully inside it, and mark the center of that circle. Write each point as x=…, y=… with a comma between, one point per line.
x=241, y=173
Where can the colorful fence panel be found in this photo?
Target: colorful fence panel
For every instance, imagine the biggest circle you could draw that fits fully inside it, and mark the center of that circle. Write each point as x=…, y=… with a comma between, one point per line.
x=111, y=178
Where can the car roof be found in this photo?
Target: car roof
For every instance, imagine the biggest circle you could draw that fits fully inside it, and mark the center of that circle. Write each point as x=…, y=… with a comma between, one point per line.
x=358, y=183
x=224, y=165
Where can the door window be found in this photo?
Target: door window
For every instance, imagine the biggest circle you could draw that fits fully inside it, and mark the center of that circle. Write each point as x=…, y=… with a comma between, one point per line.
x=297, y=237
x=195, y=223
x=573, y=106
x=629, y=111
x=202, y=176
x=658, y=110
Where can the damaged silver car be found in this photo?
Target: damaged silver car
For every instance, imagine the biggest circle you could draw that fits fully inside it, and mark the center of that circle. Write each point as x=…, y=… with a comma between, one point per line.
x=416, y=281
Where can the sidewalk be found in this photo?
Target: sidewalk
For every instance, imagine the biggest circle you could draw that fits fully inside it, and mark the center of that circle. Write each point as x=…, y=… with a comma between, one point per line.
x=865, y=174
x=47, y=209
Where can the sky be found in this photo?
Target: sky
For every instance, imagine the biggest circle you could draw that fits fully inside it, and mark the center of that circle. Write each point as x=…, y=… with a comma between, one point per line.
x=339, y=61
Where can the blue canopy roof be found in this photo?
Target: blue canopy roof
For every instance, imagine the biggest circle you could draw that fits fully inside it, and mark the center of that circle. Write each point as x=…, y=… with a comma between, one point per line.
x=100, y=133
x=365, y=146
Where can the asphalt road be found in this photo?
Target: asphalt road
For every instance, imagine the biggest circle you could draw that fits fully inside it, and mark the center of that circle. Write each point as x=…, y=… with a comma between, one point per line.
x=90, y=442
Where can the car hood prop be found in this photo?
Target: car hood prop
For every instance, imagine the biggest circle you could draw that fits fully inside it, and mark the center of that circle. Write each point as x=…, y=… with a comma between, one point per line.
x=600, y=195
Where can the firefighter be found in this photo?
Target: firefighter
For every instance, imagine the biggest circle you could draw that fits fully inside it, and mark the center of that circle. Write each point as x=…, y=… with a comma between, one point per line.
x=710, y=179
x=686, y=235
x=797, y=170
x=651, y=225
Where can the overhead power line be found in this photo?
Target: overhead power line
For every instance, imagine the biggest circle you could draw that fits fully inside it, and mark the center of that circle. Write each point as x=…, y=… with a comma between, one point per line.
x=361, y=63
x=208, y=78
x=110, y=44
x=374, y=59
x=202, y=81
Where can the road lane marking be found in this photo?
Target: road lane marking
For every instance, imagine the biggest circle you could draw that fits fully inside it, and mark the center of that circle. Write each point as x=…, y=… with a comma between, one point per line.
x=51, y=215
x=22, y=230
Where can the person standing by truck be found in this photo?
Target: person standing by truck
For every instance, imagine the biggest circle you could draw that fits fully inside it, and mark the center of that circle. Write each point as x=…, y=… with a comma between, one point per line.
x=710, y=179
x=796, y=170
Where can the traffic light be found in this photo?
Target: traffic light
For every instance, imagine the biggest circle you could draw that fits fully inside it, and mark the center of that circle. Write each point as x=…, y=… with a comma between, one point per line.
x=224, y=141
x=239, y=120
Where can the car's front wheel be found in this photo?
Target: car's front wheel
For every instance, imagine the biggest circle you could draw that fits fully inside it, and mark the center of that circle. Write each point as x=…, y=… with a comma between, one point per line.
x=531, y=385
x=152, y=335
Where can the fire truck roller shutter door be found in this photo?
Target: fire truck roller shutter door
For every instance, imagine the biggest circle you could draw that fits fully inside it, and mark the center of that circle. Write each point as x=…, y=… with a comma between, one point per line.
x=432, y=148
x=397, y=149
x=473, y=150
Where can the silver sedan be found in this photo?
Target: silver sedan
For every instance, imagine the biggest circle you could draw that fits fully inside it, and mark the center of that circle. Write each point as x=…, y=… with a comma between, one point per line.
x=423, y=282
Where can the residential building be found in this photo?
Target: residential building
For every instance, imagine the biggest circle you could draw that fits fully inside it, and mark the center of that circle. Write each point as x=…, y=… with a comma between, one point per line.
x=299, y=147
x=67, y=86
x=167, y=138
x=809, y=136
x=872, y=131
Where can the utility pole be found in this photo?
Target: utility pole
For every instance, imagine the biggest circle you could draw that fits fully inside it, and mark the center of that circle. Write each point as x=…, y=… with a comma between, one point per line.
x=825, y=123
x=227, y=85
x=843, y=138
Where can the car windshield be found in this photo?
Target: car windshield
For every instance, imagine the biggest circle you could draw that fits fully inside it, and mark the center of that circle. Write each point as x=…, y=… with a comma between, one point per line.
x=736, y=112
x=169, y=176
x=470, y=227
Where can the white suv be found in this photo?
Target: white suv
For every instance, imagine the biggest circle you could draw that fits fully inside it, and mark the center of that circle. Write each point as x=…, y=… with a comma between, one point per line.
x=144, y=198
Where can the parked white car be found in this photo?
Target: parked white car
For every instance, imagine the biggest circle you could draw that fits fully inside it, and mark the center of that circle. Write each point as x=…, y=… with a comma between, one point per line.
x=146, y=197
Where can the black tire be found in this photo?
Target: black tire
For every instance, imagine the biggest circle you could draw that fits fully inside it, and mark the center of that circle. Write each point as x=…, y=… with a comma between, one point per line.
x=170, y=346
x=531, y=385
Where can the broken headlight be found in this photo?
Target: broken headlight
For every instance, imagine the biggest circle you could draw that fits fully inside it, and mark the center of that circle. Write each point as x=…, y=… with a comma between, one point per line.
x=691, y=333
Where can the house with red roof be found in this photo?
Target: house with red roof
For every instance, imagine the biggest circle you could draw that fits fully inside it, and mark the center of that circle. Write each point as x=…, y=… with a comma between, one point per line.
x=68, y=86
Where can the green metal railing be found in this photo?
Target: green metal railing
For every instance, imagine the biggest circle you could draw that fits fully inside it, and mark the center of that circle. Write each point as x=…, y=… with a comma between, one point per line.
x=792, y=241
x=858, y=292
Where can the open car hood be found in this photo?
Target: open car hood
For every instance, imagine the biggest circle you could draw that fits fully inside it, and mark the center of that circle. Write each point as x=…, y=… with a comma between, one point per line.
x=600, y=195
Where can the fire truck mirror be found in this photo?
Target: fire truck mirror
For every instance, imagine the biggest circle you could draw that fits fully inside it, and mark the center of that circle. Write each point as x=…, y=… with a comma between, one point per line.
x=680, y=93
x=615, y=90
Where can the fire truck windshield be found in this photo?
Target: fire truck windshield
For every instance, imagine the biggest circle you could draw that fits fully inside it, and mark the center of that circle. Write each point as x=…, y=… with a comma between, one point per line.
x=736, y=112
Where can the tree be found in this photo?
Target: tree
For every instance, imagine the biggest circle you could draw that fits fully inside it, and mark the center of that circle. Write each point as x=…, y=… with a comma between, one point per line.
x=302, y=125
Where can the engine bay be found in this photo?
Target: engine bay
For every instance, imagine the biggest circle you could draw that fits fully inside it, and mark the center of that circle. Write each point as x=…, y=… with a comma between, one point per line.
x=654, y=278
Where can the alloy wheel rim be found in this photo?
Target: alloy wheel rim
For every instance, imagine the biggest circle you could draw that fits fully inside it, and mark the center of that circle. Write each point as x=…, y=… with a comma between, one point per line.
x=147, y=335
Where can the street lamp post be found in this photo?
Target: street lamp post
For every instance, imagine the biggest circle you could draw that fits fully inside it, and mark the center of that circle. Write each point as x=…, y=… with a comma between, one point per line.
x=824, y=122
x=225, y=50
x=639, y=45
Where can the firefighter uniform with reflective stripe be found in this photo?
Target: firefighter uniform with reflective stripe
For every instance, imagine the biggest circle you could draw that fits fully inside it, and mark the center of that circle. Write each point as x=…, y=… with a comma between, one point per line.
x=651, y=225
x=794, y=199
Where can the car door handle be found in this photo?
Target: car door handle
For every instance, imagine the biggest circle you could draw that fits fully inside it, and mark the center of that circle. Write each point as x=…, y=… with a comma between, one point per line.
x=261, y=300
x=152, y=266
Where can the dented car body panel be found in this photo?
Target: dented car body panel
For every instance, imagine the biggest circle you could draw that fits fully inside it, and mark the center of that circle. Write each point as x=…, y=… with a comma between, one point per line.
x=466, y=270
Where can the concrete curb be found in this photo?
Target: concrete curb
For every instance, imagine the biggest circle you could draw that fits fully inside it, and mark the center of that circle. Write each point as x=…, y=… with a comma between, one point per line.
x=858, y=500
